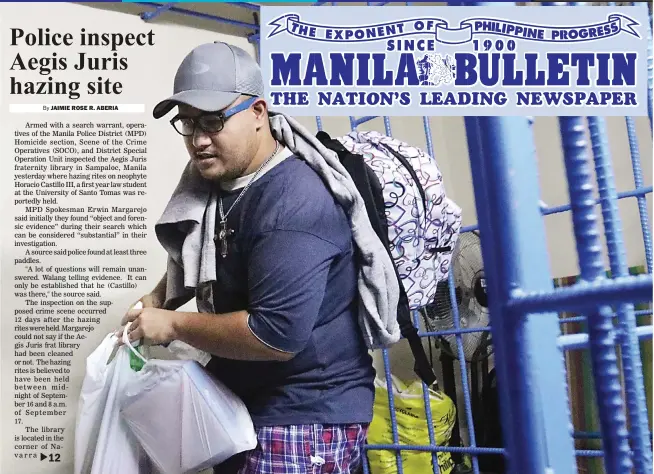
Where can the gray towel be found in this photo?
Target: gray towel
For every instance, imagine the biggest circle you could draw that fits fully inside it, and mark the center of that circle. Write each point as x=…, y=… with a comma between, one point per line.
x=187, y=227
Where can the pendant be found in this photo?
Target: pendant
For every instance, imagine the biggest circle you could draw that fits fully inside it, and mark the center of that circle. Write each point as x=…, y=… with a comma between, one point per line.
x=223, y=234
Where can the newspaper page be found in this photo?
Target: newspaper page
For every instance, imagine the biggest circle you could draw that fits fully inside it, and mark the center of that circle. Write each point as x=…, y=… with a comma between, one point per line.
x=87, y=170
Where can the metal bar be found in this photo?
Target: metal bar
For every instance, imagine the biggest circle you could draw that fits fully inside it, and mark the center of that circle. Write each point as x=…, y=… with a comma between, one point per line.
x=452, y=449
x=505, y=179
x=366, y=464
x=450, y=332
x=147, y=16
x=388, y=375
x=486, y=4
x=427, y=402
x=589, y=453
x=638, y=192
x=205, y=16
x=642, y=332
x=259, y=50
x=477, y=161
x=592, y=435
x=630, y=349
x=587, y=435
x=387, y=126
x=580, y=341
x=580, y=319
x=391, y=408
x=469, y=228
x=638, y=182
x=356, y=122
x=428, y=138
x=438, y=449
x=248, y=6
x=582, y=296
x=600, y=327
x=650, y=74
x=255, y=37
x=480, y=4
x=649, y=61
x=467, y=404
x=563, y=409
x=574, y=319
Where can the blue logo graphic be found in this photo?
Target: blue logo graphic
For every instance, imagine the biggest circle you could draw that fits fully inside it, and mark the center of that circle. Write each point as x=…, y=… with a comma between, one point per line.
x=436, y=69
x=530, y=61
x=291, y=24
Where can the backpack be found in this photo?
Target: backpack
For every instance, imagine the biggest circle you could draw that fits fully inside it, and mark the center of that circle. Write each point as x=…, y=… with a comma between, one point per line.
x=398, y=183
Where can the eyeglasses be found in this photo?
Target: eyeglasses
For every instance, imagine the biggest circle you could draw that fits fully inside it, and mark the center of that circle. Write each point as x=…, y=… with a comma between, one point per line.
x=209, y=122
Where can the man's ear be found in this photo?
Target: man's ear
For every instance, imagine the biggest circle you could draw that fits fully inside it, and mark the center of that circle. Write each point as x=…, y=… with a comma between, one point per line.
x=260, y=109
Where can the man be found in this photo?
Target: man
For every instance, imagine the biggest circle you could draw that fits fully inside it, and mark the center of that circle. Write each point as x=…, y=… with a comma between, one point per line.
x=284, y=334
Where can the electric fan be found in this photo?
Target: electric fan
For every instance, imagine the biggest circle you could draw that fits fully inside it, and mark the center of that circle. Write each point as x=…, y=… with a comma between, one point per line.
x=471, y=301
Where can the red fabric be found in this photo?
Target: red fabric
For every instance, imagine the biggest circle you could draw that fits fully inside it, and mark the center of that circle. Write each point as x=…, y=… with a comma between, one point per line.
x=302, y=449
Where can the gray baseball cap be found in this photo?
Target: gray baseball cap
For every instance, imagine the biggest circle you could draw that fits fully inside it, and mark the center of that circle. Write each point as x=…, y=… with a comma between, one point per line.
x=211, y=77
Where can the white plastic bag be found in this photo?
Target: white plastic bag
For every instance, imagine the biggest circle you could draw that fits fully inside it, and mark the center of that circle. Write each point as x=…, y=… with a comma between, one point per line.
x=103, y=442
x=183, y=417
x=181, y=350
x=92, y=400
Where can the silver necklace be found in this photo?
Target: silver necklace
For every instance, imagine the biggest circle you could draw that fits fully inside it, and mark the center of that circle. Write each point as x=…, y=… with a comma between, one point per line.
x=224, y=232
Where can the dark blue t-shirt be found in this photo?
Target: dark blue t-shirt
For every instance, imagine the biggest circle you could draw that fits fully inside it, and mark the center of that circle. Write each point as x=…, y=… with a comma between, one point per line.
x=291, y=265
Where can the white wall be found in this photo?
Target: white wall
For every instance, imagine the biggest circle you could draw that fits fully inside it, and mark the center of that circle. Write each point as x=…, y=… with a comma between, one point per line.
x=149, y=79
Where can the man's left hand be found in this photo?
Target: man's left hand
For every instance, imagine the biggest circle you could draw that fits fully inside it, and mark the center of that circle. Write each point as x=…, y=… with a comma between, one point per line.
x=154, y=326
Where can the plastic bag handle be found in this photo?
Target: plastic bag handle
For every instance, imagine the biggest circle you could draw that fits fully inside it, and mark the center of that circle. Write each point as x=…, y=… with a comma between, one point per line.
x=129, y=344
x=126, y=341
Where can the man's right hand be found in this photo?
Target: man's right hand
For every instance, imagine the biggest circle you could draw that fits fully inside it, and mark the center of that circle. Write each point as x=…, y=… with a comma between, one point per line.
x=150, y=300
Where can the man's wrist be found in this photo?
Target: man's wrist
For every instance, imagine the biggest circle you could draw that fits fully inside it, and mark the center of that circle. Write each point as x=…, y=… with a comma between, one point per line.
x=153, y=300
x=179, y=325
x=158, y=301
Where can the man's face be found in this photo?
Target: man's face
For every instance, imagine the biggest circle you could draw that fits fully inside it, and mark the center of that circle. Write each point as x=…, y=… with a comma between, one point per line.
x=224, y=155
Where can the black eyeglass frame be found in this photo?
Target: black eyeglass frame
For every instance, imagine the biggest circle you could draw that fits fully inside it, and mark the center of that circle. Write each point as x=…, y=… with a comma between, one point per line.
x=222, y=115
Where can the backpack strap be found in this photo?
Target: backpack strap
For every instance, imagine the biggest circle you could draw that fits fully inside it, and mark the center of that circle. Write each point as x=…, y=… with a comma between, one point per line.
x=411, y=171
x=417, y=182
x=370, y=189
x=422, y=366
